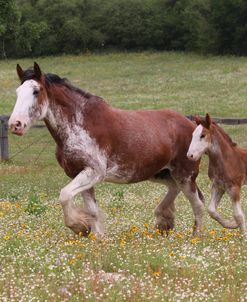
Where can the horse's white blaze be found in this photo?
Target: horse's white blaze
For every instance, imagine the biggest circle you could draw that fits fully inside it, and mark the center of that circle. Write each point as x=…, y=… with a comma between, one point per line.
x=198, y=145
x=26, y=110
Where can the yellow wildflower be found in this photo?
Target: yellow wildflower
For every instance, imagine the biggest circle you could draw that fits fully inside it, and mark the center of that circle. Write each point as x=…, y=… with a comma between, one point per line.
x=158, y=231
x=213, y=232
x=194, y=240
x=122, y=243
x=7, y=237
x=92, y=236
x=72, y=261
x=225, y=238
x=179, y=235
x=19, y=233
x=133, y=228
x=156, y=274
x=145, y=233
x=171, y=254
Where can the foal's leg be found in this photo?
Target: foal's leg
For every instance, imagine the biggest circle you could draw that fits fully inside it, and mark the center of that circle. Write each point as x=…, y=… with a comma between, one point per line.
x=75, y=217
x=192, y=192
x=238, y=214
x=91, y=208
x=165, y=210
x=216, y=195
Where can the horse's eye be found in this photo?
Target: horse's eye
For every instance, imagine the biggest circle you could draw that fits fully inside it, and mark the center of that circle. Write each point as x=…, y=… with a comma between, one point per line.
x=202, y=136
x=35, y=92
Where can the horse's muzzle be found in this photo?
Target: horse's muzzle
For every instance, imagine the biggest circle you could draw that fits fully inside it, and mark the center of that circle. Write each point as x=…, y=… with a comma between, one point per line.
x=17, y=128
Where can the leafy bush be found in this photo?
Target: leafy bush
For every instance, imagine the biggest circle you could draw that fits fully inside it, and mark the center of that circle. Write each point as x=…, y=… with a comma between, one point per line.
x=44, y=27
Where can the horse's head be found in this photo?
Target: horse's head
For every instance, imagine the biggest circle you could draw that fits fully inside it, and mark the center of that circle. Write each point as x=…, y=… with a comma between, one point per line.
x=201, y=138
x=32, y=102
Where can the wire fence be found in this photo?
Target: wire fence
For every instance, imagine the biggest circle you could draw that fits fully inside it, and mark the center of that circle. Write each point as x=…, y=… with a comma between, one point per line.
x=37, y=146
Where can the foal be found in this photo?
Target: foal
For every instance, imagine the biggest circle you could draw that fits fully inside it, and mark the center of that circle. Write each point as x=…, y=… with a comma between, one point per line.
x=96, y=143
x=227, y=168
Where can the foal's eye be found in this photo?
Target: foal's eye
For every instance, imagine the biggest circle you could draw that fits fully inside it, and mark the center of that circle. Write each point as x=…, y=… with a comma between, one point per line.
x=35, y=92
x=202, y=136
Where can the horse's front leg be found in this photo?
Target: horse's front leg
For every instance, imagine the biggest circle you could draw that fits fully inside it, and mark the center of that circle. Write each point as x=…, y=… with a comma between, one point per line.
x=91, y=208
x=76, y=218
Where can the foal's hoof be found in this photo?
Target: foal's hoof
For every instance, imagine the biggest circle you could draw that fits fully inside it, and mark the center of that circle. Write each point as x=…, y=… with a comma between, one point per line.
x=80, y=229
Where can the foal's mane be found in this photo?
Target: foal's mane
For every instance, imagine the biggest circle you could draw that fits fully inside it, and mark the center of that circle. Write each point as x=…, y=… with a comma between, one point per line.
x=224, y=134
x=53, y=79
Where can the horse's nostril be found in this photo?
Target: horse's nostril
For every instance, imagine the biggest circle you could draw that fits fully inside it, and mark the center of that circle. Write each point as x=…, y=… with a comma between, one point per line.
x=18, y=124
x=191, y=155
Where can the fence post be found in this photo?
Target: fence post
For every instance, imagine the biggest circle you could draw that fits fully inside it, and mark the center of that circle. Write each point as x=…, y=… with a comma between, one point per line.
x=4, y=144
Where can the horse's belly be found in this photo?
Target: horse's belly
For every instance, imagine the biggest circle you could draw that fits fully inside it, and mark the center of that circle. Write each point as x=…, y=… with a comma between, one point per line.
x=134, y=172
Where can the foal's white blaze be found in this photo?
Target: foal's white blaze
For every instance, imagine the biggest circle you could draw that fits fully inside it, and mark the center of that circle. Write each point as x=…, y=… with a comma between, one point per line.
x=26, y=110
x=198, y=145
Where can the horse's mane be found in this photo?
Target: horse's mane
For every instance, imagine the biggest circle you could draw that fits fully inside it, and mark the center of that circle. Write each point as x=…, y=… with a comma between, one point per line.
x=225, y=135
x=53, y=79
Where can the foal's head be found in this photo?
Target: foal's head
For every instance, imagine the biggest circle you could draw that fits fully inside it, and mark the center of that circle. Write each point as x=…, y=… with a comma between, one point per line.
x=32, y=102
x=201, y=138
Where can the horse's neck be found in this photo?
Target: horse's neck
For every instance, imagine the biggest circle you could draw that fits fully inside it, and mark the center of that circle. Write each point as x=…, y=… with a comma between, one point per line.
x=62, y=117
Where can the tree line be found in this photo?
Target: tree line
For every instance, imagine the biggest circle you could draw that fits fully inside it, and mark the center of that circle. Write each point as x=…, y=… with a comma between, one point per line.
x=44, y=27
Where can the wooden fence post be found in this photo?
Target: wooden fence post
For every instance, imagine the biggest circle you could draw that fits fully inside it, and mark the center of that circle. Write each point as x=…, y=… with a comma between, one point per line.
x=4, y=144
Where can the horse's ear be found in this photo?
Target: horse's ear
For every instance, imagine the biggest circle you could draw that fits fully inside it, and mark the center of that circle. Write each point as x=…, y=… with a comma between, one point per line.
x=37, y=71
x=19, y=71
x=197, y=119
x=208, y=121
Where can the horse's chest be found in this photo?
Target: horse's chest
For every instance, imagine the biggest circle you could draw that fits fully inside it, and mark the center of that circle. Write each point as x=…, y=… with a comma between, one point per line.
x=71, y=163
x=80, y=151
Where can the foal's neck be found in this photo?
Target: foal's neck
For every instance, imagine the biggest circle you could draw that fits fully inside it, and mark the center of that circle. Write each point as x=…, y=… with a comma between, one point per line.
x=220, y=148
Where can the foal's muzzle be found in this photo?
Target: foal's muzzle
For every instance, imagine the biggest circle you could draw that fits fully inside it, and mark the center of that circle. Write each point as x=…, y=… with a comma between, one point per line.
x=192, y=156
x=17, y=127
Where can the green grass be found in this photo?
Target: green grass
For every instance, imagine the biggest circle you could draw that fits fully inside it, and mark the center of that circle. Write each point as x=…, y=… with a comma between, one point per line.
x=41, y=260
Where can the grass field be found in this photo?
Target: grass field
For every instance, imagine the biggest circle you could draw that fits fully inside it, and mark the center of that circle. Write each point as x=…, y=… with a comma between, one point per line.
x=41, y=260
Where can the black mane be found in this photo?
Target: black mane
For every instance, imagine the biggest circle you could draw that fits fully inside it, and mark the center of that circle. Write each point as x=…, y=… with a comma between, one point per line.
x=53, y=79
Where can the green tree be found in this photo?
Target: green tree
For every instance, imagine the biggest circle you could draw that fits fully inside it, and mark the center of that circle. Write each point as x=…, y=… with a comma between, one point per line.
x=9, y=25
x=229, y=18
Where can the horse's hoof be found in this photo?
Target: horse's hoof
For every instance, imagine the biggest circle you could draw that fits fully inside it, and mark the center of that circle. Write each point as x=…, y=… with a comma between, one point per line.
x=165, y=226
x=80, y=229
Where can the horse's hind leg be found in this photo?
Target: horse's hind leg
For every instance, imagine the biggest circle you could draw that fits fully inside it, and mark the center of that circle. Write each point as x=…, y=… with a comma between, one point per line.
x=91, y=208
x=195, y=197
x=237, y=210
x=164, y=212
x=216, y=196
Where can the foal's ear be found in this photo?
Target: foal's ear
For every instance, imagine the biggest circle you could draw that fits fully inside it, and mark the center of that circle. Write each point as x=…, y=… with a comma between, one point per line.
x=208, y=121
x=19, y=71
x=37, y=71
